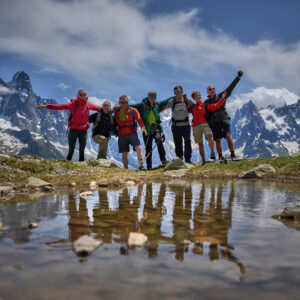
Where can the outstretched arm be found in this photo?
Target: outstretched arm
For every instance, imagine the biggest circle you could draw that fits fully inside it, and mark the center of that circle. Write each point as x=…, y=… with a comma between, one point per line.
x=214, y=106
x=232, y=85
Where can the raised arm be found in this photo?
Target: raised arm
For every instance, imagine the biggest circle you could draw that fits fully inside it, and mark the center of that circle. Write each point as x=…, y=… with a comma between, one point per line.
x=232, y=85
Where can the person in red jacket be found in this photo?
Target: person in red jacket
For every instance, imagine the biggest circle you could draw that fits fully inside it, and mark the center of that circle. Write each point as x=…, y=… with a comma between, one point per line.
x=200, y=125
x=126, y=118
x=78, y=121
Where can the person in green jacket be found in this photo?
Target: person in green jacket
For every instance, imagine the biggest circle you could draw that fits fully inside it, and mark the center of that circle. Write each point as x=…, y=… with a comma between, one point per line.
x=149, y=110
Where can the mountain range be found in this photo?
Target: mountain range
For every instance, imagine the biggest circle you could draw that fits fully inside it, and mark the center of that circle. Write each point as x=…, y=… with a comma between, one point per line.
x=24, y=129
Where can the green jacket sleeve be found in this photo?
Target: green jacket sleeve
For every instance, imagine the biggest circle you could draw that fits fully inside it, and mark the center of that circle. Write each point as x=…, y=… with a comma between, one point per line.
x=163, y=103
x=138, y=106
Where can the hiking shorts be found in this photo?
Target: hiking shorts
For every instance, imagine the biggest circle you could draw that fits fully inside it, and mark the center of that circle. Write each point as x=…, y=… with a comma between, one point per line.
x=221, y=129
x=128, y=139
x=198, y=132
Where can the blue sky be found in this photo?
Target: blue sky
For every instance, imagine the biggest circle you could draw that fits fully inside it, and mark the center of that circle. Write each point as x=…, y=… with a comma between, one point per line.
x=114, y=47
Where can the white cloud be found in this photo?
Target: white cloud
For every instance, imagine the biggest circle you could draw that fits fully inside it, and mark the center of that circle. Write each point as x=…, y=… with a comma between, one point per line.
x=109, y=40
x=5, y=90
x=62, y=86
x=262, y=97
x=98, y=101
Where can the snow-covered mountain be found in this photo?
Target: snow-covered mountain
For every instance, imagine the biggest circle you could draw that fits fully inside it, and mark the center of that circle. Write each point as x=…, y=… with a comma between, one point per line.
x=26, y=130
x=267, y=131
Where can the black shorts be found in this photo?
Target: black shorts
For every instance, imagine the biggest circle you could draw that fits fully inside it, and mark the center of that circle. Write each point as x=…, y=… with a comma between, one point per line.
x=220, y=129
x=129, y=139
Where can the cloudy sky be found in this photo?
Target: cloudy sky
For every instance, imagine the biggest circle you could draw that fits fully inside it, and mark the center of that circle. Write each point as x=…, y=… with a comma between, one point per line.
x=114, y=47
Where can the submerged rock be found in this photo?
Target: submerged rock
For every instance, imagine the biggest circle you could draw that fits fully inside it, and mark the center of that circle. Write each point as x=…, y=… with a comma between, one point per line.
x=176, y=173
x=136, y=239
x=290, y=215
x=6, y=188
x=85, y=195
x=33, y=225
x=93, y=185
x=85, y=245
x=289, y=212
x=130, y=183
x=177, y=164
x=258, y=172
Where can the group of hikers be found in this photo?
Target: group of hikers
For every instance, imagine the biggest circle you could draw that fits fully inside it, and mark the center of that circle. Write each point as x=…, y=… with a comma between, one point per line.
x=209, y=119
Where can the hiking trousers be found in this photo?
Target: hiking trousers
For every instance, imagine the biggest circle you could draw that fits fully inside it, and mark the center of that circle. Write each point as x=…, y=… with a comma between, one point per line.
x=103, y=144
x=156, y=134
x=73, y=135
x=181, y=133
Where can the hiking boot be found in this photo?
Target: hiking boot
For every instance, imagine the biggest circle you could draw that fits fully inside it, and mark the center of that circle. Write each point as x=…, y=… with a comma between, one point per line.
x=164, y=162
x=203, y=162
x=188, y=161
x=222, y=160
x=149, y=168
x=212, y=156
x=232, y=155
x=141, y=168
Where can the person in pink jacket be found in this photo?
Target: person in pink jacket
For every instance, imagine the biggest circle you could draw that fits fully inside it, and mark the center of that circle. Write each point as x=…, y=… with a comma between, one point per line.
x=78, y=121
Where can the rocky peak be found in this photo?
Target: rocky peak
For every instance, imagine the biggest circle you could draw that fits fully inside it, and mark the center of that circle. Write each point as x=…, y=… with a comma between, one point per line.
x=21, y=82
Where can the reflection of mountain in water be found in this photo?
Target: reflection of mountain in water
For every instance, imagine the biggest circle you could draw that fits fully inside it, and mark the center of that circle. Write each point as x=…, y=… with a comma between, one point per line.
x=17, y=217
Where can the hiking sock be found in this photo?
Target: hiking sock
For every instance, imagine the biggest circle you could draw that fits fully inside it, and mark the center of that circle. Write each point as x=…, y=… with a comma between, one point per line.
x=221, y=156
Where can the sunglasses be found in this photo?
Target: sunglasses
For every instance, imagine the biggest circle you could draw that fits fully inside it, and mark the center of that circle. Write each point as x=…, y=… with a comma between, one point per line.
x=196, y=95
x=123, y=102
x=211, y=89
x=107, y=105
x=82, y=95
x=177, y=92
x=152, y=96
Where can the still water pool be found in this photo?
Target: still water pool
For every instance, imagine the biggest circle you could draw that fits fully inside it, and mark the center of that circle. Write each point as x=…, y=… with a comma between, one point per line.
x=206, y=240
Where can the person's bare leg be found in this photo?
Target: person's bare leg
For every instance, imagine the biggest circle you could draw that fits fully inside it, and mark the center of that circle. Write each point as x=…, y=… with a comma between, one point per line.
x=230, y=142
x=125, y=159
x=138, y=150
x=219, y=147
x=211, y=143
x=201, y=151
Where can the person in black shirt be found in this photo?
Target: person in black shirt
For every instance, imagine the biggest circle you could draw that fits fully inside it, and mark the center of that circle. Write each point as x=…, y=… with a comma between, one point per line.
x=219, y=119
x=103, y=126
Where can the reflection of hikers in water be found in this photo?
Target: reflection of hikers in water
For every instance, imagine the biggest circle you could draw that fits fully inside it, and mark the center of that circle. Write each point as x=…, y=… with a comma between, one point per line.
x=126, y=219
x=79, y=222
x=151, y=222
x=181, y=218
x=104, y=126
x=149, y=110
x=219, y=120
x=212, y=226
x=200, y=125
x=78, y=121
x=103, y=217
x=126, y=119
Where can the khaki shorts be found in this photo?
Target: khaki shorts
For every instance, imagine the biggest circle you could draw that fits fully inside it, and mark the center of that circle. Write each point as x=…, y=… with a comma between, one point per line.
x=198, y=132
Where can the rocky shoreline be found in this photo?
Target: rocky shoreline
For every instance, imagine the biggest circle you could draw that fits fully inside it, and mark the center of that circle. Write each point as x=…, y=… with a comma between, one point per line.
x=32, y=174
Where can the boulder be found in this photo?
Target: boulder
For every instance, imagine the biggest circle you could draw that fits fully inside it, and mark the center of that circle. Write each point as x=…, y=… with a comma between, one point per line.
x=136, y=239
x=85, y=195
x=33, y=182
x=7, y=190
x=177, y=164
x=101, y=162
x=258, y=172
x=85, y=245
